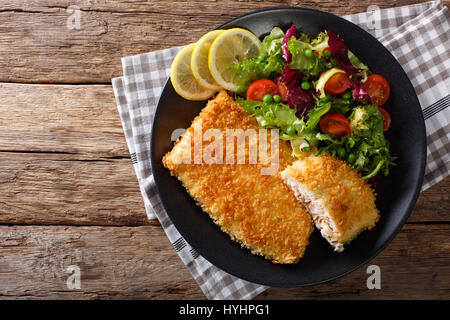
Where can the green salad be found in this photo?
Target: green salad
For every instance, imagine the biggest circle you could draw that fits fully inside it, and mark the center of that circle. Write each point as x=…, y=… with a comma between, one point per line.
x=320, y=96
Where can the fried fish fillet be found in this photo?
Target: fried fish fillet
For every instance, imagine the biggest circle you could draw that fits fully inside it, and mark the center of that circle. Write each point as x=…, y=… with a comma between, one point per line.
x=258, y=211
x=340, y=203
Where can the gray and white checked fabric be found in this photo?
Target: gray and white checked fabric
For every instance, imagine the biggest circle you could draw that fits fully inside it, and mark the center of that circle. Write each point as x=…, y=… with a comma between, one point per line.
x=417, y=35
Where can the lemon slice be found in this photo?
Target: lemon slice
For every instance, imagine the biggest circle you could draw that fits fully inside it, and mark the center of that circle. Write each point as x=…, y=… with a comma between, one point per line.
x=232, y=46
x=199, y=61
x=183, y=80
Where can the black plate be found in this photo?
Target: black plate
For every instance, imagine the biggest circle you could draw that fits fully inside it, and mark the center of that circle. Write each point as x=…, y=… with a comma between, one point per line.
x=397, y=193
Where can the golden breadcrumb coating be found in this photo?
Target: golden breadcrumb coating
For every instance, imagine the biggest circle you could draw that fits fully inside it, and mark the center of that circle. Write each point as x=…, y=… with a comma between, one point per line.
x=328, y=186
x=259, y=211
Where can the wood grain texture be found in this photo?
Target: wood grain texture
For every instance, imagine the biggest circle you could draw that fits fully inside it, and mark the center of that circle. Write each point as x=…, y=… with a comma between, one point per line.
x=416, y=265
x=65, y=161
x=37, y=47
x=138, y=263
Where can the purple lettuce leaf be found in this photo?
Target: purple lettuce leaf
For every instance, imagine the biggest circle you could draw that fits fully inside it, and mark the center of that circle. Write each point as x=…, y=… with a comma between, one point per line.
x=339, y=50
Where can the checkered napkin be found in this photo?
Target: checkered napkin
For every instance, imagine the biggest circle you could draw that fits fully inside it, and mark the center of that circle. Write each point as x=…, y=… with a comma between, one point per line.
x=417, y=35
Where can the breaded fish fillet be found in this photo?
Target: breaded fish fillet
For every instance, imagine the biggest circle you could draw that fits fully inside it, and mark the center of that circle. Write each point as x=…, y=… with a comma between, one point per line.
x=340, y=203
x=258, y=211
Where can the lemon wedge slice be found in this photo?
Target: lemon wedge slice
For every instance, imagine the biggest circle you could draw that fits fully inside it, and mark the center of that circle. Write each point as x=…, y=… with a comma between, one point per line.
x=232, y=46
x=199, y=61
x=182, y=78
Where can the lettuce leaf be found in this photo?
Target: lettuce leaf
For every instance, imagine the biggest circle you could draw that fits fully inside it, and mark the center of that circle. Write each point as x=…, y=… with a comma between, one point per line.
x=359, y=91
x=314, y=115
x=306, y=65
x=309, y=66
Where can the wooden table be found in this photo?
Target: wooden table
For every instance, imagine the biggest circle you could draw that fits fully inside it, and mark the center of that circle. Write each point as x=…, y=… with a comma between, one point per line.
x=68, y=191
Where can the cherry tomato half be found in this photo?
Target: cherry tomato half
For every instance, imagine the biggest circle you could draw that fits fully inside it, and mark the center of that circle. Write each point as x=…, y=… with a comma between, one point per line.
x=386, y=119
x=323, y=51
x=258, y=89
x=337, y=84
x=378, y=89
x=335, y=123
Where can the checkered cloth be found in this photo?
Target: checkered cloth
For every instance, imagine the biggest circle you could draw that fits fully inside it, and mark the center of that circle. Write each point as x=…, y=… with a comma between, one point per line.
x=417, y=35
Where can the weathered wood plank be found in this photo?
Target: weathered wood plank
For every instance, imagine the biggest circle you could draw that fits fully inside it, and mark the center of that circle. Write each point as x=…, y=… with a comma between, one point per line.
x=37, y=47
x=60, y=118
x=139, y=262
x=58, y=189
x=416, y=265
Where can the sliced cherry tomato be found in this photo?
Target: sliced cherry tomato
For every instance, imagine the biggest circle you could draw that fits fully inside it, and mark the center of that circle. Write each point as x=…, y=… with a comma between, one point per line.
x=378, y=89
x=335, y=123
x=386, y=119
x=337, y=84
x=258, y=89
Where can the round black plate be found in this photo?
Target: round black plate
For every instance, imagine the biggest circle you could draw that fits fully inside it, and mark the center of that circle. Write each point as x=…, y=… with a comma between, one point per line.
x=397, y=193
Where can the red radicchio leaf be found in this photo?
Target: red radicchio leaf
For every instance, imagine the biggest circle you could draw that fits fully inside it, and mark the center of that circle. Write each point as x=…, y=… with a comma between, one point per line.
x=339, y=50
x=296, y=97
x=358, y=90
x=291, y=32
